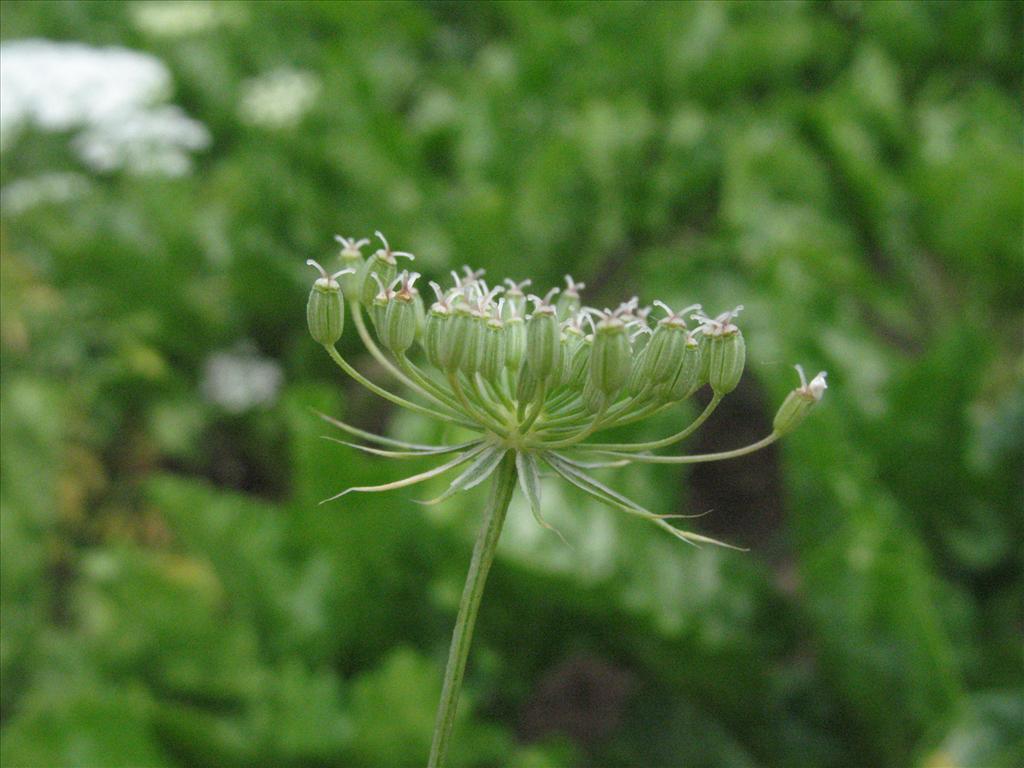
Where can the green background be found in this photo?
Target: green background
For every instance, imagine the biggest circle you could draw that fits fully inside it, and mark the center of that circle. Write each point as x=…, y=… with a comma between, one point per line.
x=173, y=595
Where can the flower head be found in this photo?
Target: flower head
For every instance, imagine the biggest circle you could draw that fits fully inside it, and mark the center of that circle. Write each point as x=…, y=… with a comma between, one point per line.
x=539, y=378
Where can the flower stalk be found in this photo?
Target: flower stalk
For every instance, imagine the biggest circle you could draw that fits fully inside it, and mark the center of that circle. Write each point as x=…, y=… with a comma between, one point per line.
x=502, y=486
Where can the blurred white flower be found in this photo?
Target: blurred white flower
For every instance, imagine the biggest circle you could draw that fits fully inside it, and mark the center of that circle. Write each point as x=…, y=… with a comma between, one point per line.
x=279, y=98
x=157, y=141
x=240, y=379
x=22, y=194
x=115, y=96
x=180, y=18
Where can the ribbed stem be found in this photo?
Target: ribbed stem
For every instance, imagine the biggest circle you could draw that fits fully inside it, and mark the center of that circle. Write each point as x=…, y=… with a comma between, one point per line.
x=502, y=486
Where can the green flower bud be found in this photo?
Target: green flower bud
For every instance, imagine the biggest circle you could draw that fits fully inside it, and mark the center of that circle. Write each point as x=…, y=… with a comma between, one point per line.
x=325, y=309
x=528, y=385
x=726, y=352
x=704, y=344
x=571, y=340
x=593, y=398
x=421, y=315
x=494, y=348
x=799, y=402
x=664, y=353
x=436, y=327
x=640, y=339
x=398, y=328
x=382, y=263
x=581, y=363
x=378, y=307
x=568, y=303
x=515, y=341
x=543, y=338
x=638, y=381
x=472, y=359
x=686, y=379
x=454, y=344
x=351, y=258
x=515, y=300
x=611, y=356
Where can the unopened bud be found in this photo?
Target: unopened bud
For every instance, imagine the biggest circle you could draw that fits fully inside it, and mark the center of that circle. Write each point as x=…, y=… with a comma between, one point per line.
x=664, y=352
x=397, y=330
x=378, y=307
x=325, y=309
x=436, y=327
x=528, y=384
x=453, y=344
x=580, y=365
x=515, y=341
x=799, y=402
x=726, y=351
x=593, y=398
x=421, y=315
x=686, y=379
x=382, y=263
x=638, y=381
x=610, y=357
x=571, y=340
x=472, y=359
x=543, y=338
x=494, y=349
x=351, y=258
x=568, y=303
x=515, y=299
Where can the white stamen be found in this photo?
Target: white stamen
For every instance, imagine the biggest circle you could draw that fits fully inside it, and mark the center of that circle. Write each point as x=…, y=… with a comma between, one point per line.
x=803, y=378
x=321, y=270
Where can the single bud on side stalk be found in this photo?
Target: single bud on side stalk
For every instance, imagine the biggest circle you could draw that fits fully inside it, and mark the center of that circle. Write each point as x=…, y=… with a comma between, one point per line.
x=799, y=402
x=325, y=309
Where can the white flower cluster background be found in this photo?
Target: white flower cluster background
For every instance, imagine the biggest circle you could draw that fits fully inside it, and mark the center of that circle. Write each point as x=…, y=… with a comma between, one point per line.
x=113, y=102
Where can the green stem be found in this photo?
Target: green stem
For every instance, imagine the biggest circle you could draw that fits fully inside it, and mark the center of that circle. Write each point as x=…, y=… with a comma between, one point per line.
x=502, y=486
x=667, y=441
x=400, y=401
x=699, y=458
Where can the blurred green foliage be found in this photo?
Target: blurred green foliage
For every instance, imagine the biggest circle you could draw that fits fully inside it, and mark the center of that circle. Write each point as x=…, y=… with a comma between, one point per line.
x=172, y=594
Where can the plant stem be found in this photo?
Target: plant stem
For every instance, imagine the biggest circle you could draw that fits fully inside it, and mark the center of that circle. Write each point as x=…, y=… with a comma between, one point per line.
x=502, y=486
